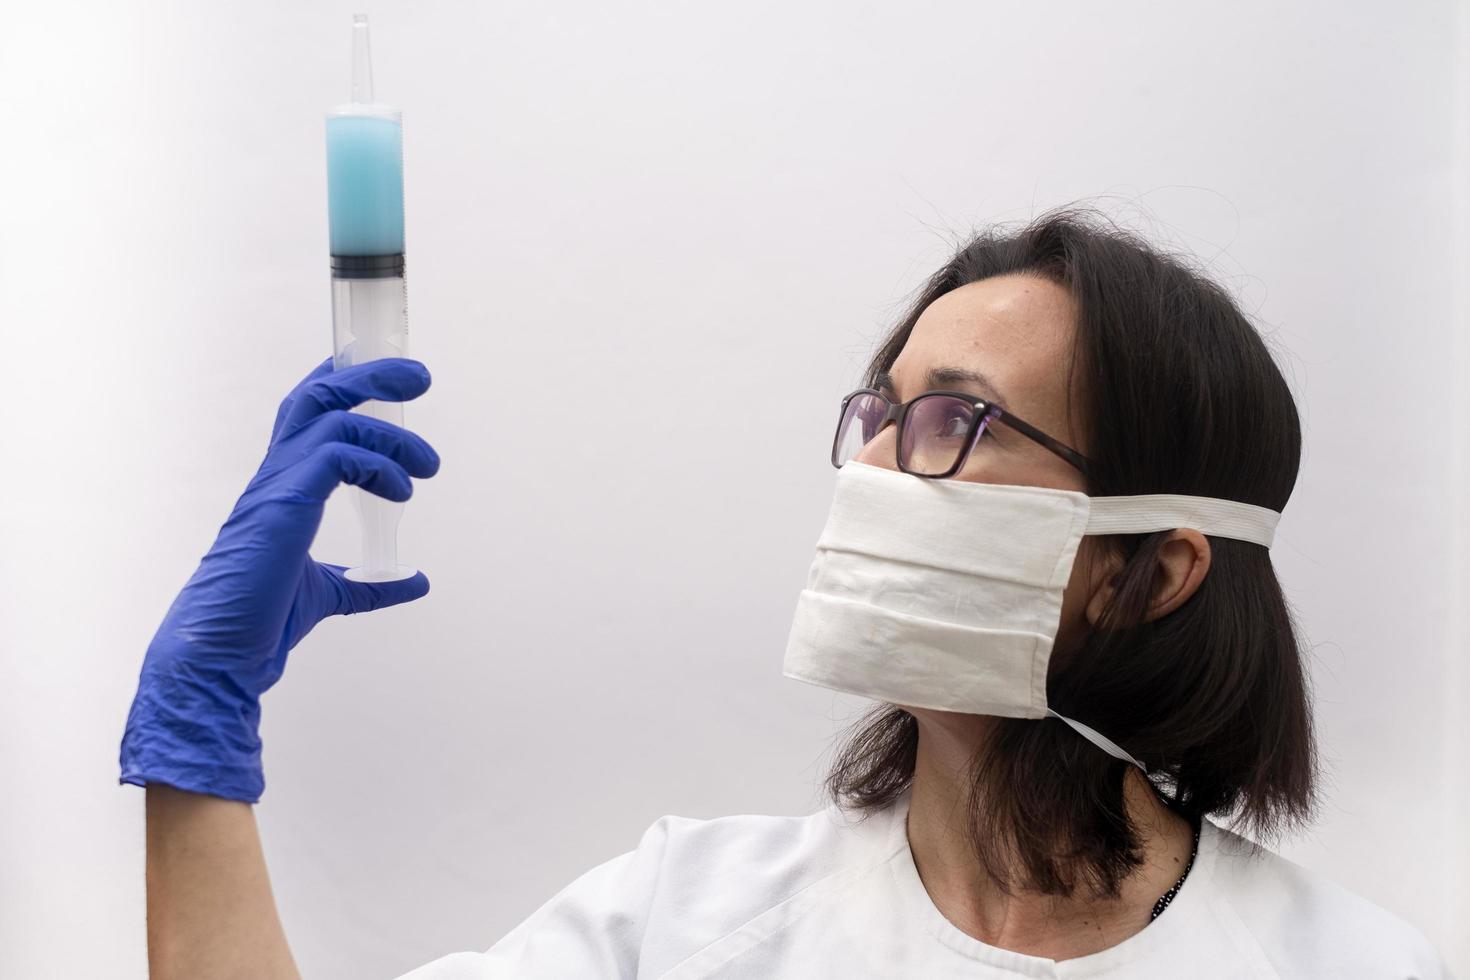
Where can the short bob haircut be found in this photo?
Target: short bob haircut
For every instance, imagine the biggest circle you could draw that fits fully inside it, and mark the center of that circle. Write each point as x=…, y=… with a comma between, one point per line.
x=1179, y=395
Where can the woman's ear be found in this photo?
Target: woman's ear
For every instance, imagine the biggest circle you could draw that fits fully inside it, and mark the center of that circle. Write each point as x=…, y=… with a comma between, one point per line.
x=1181, y=564
x=1184, y=560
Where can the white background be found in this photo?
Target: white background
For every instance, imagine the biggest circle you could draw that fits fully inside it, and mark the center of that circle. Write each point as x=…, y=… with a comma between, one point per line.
x=650, y=245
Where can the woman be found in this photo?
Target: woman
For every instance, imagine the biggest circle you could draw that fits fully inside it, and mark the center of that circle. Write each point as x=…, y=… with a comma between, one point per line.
x=1029, y=800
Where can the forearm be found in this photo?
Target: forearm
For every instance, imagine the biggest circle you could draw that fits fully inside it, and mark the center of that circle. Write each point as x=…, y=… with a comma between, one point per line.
x=210, y=909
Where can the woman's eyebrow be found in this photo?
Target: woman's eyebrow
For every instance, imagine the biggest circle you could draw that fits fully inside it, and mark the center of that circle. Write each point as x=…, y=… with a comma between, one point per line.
x=946, y=377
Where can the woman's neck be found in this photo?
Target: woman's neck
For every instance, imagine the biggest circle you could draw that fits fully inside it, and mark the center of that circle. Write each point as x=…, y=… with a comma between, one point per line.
x=1026, y=921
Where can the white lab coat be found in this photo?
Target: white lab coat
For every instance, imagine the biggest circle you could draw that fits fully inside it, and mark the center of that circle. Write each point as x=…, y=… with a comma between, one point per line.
x=826, y=895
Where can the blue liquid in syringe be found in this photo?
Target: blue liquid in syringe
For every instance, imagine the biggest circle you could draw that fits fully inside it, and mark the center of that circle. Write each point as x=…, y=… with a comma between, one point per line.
x=365, y=185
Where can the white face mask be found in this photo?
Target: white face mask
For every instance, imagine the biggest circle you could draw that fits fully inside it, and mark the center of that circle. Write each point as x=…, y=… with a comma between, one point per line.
x=947, y=594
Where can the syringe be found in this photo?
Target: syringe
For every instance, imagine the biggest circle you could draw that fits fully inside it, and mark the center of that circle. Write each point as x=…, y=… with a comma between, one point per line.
x=369, y=309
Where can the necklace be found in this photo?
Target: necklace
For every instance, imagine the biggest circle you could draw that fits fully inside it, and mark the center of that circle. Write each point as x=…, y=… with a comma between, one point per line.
x=1168, y=896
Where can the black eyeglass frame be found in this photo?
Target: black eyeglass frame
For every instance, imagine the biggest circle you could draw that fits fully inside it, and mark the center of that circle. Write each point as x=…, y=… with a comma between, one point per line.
x=898, y=413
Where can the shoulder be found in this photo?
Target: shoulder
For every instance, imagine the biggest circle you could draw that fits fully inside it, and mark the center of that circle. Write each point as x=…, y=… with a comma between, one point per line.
x=1307, y=924
x=734, y=868
x=772, y=849
x=688, y=883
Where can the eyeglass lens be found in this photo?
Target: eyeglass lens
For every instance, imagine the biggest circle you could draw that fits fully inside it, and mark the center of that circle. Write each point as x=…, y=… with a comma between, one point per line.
x=933, y=436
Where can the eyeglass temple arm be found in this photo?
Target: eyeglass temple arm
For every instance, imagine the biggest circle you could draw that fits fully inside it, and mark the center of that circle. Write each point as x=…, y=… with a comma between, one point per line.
x=1032, y=432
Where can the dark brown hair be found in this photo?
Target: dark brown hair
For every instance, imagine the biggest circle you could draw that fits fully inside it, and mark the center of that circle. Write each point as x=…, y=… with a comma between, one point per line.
x=1179, y=395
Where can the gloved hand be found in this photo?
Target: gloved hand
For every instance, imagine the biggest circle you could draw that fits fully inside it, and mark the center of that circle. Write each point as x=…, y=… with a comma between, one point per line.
x=194, y=722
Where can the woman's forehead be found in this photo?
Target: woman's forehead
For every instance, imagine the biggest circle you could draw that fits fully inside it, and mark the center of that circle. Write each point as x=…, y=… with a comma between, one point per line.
x=1017, y=330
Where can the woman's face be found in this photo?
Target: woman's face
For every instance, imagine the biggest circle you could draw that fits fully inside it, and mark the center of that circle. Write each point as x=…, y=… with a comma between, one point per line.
x=1014, y=334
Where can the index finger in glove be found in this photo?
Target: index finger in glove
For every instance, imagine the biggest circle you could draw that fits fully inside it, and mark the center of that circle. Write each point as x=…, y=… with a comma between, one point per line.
x=389, y=379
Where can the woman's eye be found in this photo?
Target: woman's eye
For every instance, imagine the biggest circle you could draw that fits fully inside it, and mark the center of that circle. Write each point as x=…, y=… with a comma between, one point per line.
x=954, y=427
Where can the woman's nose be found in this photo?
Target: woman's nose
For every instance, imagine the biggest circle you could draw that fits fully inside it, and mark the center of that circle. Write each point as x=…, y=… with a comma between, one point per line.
x=881, y=449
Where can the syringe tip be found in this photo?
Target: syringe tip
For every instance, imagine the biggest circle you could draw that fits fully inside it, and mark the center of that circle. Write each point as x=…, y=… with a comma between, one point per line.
x=362, y=60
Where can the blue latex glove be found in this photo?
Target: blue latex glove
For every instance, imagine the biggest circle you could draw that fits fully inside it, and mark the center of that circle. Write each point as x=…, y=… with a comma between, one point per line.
x=194, y=722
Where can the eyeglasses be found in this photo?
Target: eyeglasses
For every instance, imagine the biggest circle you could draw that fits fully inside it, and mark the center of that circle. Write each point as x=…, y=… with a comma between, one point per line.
x=936, y=431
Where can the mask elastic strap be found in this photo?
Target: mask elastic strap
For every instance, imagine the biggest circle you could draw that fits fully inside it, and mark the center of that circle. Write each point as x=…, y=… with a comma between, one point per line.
x=1100, y=740
x=1166, y=511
